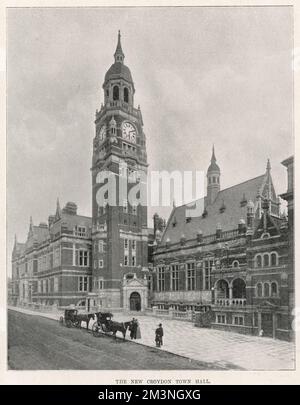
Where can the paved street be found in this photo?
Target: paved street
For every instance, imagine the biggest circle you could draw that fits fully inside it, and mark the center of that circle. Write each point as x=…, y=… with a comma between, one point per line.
x=225, y=350
x=38, y=343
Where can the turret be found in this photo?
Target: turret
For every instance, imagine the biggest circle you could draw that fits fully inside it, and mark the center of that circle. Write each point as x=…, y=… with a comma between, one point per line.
x=213, y=179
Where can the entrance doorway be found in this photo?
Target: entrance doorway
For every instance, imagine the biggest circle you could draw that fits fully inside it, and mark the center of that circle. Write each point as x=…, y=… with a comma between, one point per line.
x=267, y=324
x=135, y=301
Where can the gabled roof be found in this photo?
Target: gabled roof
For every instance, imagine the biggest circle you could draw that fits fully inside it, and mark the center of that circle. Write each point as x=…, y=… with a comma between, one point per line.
x=234, y=211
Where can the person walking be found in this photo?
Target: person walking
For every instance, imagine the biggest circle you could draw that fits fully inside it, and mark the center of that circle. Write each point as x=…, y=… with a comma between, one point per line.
x=138, y=334
x=159, y=336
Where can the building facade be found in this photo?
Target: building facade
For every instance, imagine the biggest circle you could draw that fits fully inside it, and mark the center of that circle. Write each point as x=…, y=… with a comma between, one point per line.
x=233, y=265
x=54, y=265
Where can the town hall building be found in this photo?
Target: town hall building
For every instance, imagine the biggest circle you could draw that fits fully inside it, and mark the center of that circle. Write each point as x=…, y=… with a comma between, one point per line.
x=231, y=267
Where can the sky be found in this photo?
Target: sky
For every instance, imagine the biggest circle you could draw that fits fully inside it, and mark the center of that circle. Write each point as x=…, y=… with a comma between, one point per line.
x=203, y=76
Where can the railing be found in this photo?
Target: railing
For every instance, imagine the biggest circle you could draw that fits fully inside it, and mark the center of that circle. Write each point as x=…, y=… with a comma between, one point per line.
x=229, y=302
x=162, y=312
x=119, y=104
x=181, y=314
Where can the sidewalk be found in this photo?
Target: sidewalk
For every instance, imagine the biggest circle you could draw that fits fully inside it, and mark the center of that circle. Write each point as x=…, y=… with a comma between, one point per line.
x=225, y=349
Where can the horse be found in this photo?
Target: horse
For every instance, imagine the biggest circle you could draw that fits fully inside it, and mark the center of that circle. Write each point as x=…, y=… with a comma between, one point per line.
x=115, y=327
x=85, y=318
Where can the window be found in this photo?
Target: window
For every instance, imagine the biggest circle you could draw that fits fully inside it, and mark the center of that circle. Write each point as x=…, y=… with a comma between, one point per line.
x=126, y=244
x=191, y=277
x=221, y=318
x=126, y=260
x=116, y=93
x=100, y=246
x=208, y=263
x=266, y=290
x=134, y=210
x=258, y=261
x=126, y=95
x=174, y=277
x=83, y=283
x=39, y=286
x=56, y=257
x=100, y=284
x=274, y=261
x=125, y=206
x=259, y=290
x=80, y=230
x=83, y=258
x=100, y=263
x=133, y=260
x=133, y=245
x=266, y=260
x=238, y=320
x=161, y=278
x=274, y=289
x=235, y=264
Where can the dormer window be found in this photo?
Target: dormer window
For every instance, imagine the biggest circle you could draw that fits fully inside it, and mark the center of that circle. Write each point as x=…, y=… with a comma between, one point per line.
x=80, y=230
x=174, y=223
x=223, y=207
x=244, y=201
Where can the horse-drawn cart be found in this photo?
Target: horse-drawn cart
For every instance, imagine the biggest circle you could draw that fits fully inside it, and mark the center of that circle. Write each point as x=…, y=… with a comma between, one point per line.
x=105, y=326
x=72, y=317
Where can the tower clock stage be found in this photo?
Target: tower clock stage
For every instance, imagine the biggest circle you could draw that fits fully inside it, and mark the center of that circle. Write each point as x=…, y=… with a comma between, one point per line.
x=119, y=231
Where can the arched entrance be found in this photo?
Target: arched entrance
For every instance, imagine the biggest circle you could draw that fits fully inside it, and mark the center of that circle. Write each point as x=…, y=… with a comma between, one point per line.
x=135, y=301
x=222, y=289
x=238, y=288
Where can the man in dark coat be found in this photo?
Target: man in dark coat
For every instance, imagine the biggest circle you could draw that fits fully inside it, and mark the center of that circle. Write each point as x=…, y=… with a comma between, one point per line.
x=133, y=328
x=159, y=335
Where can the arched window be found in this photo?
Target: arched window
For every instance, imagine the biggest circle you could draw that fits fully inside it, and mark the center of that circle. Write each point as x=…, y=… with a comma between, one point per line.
x=259, y=290
x=266, y=260
x=214, y=179
x=258, y=261
x=274, y=289
x=266, y=290
x=116, y=93
x=235, y=263
x=209, y=180
x=126, y=95
x=273, y=259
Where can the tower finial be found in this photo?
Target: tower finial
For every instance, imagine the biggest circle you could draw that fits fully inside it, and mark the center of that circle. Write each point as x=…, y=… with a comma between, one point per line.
x=119, y=55
x=58, y=210
x=268, y=166
x=213, y=157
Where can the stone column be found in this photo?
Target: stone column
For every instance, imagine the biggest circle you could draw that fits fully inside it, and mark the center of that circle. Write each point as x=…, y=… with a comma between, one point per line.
x=230, y=292
x=259, y=322
x=274, y=316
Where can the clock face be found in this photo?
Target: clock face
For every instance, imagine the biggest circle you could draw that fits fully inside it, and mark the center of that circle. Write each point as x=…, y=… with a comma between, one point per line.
x=102, y=133
x=128, y=132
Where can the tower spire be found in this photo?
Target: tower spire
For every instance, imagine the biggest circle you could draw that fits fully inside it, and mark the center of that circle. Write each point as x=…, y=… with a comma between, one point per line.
x=58, y=210
x=119, y=54
x=213, y=157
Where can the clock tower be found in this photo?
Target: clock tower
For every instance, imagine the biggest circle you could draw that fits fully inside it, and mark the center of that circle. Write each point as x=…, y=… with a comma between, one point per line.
x=119, y=210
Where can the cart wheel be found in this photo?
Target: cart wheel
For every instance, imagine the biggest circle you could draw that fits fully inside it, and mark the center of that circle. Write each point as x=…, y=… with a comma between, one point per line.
x=77, y=324
x=61, y=320
x=68, y=323
x=96, y=329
